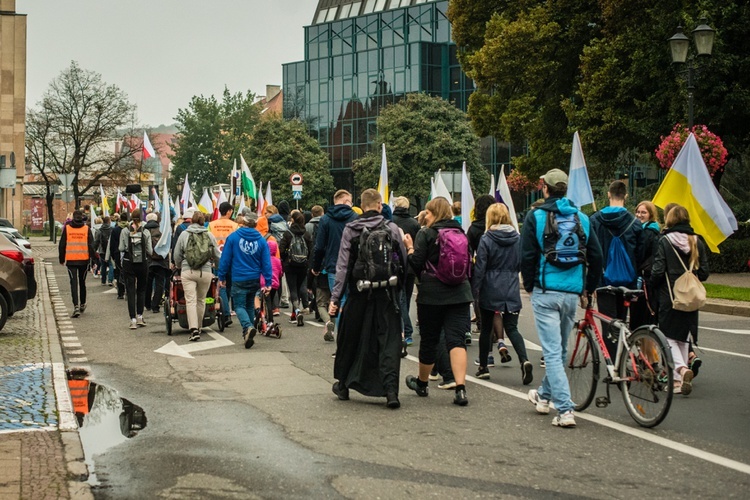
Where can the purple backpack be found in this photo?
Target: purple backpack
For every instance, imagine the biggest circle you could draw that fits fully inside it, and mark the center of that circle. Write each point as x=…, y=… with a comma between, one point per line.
x=454, y=262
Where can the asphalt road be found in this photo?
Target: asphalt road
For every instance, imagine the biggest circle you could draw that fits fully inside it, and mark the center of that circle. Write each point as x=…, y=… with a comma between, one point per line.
x=263, y=423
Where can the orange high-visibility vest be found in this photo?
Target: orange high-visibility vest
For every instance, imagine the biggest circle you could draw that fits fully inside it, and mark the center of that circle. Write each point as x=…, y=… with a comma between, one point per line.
x=77, y=244
x=221, y=229
x=79, y=393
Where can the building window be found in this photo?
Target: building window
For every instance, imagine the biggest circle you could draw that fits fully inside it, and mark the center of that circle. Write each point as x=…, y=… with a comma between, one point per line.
x=355, y=9
x=395, y=4
x=321, y=16
x=332, y=14
x=379, y=5
x=369, y=6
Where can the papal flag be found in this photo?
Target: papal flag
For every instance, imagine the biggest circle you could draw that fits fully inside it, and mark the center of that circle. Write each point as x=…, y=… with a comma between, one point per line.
x=205, y=204
x=248, y=183
x=689, y=184
x=186, y=194
x=105, y=203
x=383, y=188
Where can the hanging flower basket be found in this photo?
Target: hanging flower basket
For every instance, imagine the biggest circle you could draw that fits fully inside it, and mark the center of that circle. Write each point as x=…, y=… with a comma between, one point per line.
x=712, y=148
x=520, y=183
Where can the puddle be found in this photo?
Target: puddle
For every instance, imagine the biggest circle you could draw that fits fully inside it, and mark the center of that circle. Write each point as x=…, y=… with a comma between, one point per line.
x=104, y=418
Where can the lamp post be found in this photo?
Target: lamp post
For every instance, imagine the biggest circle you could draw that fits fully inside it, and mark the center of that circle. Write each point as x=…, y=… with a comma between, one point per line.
x=703, y=36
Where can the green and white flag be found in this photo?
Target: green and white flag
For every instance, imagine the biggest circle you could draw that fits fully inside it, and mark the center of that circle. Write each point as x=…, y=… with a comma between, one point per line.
x=248, y=183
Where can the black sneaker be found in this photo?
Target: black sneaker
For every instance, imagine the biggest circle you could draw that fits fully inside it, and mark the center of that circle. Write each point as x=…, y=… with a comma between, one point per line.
x=411, y=383
x=460, y=399
x=83, y=308
x=341, y=392
x=542, y=363
x=300, y=319
x=483, y=373
x=392, y=400
x=76, y=312
x=195, y=335
x=526, y=372
x=404, y=352
x=467, y=338
x=248, y=336
x=227, y=321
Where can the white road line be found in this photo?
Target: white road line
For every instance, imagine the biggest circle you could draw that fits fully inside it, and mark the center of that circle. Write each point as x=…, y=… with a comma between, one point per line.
x=635, y=432
x=725, y=330
x=701, y=348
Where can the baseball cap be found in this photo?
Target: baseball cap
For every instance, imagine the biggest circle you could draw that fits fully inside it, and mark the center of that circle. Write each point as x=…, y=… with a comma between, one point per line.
x=152, y=216
x=554, y=177
x=248, y=214
x=188, y=213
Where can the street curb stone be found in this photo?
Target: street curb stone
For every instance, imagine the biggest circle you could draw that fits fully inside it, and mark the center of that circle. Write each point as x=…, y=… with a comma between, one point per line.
x=78, y=471
x=729, y=308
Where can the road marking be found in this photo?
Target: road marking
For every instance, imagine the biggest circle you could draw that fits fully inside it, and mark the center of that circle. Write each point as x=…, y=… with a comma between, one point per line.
x=635, y=432
x=111, y=290
x=175, y=349
x=532, y=346
x=724, y=330
x=701, y=348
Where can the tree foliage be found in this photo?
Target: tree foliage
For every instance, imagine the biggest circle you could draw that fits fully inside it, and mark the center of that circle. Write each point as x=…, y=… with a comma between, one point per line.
x=422, y=134
x=280, y=148
x=546, y=69
x=211, y=135
x=74, y=129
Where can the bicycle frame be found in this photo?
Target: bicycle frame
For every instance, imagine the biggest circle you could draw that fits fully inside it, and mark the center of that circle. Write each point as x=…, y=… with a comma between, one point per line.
x=624, y=331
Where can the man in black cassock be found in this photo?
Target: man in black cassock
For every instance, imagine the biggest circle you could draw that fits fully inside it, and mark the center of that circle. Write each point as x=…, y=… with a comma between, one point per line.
x=368, y=346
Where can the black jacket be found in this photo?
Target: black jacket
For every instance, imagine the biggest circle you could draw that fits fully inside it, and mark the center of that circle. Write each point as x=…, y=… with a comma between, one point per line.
x=155, y=259
x=496, y=270
x=328, y=241
x=475, y=232
x=650, y=242
x=102, y=239
x=608, y=224
x=432, y=290
x=64, y=241
x=286, y=243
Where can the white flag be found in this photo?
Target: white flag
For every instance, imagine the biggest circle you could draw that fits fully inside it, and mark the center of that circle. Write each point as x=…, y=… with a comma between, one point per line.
x=467, y=199
x=165, y=241
x=579, y=186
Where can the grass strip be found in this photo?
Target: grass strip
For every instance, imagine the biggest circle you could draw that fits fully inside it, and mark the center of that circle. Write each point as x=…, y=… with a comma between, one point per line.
x=727, y=292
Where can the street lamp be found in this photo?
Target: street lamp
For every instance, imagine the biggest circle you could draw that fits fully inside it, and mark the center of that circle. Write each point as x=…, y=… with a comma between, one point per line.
x=703, y=36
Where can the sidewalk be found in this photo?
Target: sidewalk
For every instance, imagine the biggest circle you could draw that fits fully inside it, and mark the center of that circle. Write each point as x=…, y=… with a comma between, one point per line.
x=40, y=451
x=733, y=307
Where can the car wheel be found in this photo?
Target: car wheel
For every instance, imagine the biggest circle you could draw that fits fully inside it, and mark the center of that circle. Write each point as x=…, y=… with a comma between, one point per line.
x=3, y=311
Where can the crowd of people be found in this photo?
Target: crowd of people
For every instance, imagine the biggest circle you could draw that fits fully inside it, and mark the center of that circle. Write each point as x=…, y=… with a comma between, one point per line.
x=355, y=269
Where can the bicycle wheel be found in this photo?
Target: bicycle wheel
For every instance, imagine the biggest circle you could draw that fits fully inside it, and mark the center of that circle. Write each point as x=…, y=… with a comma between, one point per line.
x=582, y=367
x=648, y=369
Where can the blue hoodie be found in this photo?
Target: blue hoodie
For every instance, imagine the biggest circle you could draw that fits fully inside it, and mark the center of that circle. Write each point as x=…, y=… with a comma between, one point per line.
x=328, y=240
x=246, y=253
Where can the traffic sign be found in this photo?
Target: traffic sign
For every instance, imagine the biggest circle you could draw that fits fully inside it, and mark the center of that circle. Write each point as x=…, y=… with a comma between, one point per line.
x=297, y=195
x=297, y=188
x=67, y=180
x=295, y=179
x=67, y=195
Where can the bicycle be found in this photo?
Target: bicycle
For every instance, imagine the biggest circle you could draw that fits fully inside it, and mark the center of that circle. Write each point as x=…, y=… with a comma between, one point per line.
x=643, y=367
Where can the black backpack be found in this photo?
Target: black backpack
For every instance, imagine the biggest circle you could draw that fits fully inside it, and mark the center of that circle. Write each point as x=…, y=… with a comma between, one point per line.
x=298, y=250
x=376, y=260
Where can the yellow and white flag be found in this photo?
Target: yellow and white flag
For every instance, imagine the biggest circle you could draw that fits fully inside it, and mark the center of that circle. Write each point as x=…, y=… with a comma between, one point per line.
x=205, y=204
x=689, y=184
x=383, y=188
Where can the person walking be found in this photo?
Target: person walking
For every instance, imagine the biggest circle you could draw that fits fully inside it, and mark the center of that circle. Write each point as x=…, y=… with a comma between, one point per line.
x=444, y=294
x=158, y=267
x=498, y=263
x=221, y=228
x=557, y=248
x=369, y=342
x=113, y=252
x=100, y=245
x=680, y=250
x=76, y=250
x=247, y=254
x=328, y=242
x=410, y=226
x=135, y=251
x=194, y=254
x=296, y=249
x=643, y=311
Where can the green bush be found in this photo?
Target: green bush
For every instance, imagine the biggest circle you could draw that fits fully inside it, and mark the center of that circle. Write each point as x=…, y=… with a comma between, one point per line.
x=735, y=253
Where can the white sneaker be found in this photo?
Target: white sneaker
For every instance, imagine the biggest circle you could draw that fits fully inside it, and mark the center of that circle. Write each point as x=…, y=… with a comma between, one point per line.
x=564, y=420
x=542, y=405
x=447, y=384
x=133, y=326
x=139, y=320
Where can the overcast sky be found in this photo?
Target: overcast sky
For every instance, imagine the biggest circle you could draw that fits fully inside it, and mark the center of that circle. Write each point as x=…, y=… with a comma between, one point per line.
x=163, y=52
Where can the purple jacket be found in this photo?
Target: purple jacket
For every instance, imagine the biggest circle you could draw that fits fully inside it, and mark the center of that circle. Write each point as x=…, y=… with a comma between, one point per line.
x=352, y=230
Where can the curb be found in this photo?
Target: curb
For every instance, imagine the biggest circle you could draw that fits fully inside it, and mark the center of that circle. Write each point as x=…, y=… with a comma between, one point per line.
x=727, y=308
x=74, y=457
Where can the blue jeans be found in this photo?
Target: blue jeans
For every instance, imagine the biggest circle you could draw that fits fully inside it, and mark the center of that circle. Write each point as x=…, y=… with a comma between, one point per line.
x=331, y=283
x=243, y=297
x=224, y=293
x=554, y=314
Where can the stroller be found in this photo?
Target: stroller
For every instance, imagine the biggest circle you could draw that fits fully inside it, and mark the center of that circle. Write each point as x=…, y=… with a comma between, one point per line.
x=175, y=310
x=262, y=313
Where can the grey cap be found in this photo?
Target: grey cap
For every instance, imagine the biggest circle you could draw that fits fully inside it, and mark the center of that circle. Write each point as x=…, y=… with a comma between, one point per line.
x=555, y=177
x=247, y=213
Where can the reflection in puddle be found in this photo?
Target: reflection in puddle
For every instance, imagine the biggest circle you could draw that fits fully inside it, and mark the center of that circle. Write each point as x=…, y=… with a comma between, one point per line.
x=104, y=418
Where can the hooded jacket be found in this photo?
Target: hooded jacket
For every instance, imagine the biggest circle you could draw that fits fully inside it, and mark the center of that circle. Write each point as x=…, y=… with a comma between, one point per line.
x=346, y=259
x=181, y=246
x=496, y=269
x=650, y=242
x=328, y=241
x=113, y=252
x=102, y=238
x=431, y=290
x=286, y=243
x=246, y=253
x=277, y=226
x=276, y=267
x=475, y=233
x=146, y=249
x=155, y=231
x=617, y=221
x=406, y=222
x=533, y=263
x=63, y=245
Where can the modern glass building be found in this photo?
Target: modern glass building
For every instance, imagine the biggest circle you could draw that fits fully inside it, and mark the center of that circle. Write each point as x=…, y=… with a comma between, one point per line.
x=361, y=55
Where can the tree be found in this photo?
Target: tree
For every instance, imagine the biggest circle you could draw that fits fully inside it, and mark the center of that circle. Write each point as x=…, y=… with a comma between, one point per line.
x=76, y=128
x=38, y=134
x=546, y=69
x=280, y=148
x=422, y=134
x=211, y=135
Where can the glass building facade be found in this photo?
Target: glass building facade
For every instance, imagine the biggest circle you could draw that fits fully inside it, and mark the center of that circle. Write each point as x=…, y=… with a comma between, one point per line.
x=361, y=56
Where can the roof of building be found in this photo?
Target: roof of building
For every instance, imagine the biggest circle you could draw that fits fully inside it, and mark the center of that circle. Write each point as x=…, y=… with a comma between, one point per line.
x=331, y=10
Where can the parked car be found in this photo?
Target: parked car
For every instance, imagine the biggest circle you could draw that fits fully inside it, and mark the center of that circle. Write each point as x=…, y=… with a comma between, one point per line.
x=28, y=264
x=14, y=289
x=58, y=225
x=15, y=234
x=5, y=223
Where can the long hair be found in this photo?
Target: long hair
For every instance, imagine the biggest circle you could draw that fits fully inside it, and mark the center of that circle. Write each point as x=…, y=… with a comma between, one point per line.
x=653, y=214
x=497, y=213
x=440, y=209
x=679, y=215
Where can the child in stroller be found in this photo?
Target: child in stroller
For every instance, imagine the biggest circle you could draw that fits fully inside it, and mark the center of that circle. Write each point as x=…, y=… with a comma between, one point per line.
x=264, y=322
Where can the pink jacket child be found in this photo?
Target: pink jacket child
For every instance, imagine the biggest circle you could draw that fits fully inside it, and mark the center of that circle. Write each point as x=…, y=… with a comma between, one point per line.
x=273, y=247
